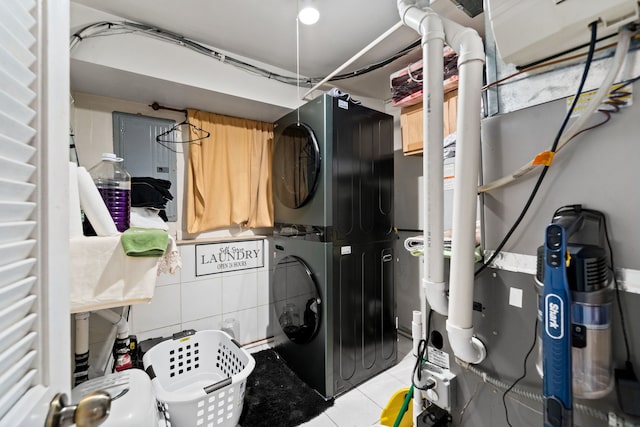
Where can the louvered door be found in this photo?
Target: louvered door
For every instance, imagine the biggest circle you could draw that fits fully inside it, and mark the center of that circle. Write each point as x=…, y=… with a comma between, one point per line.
x=34, y=267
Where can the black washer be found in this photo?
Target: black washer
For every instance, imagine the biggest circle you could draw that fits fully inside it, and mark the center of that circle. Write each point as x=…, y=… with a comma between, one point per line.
x=297, y=300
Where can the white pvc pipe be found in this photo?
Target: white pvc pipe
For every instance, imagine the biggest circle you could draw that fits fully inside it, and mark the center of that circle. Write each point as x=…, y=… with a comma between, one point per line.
x=428, y=25
x=416, y=335
x=432, y=163
x=416, y=331
x=603, y=90
x=82, y=332
x=470, y=49
x=117, y=320
x=350, y=61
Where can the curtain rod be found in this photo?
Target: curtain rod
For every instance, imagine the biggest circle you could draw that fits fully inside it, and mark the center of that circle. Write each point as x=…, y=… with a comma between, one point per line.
x=157, y=107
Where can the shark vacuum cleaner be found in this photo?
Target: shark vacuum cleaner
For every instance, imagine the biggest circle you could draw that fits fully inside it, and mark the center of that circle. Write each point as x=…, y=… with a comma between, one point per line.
x=576, y=306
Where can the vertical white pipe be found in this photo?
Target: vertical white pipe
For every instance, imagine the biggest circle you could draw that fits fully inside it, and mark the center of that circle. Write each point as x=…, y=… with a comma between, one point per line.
x=82, y=332
x=416, y=331
x=416, y=335
x=464, y=202
x=428, y=25
x=470, y=50
x=432, y=166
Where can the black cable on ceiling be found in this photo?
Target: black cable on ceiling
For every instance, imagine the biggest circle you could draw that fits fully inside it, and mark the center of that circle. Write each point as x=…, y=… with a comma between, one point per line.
x=106, y=27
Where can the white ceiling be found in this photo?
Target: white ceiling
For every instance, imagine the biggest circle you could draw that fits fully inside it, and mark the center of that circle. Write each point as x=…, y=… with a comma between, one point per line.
x=265, y=30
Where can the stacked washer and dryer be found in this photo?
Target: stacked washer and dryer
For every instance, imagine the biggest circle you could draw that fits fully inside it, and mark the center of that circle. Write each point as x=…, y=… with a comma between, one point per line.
x=332, y=292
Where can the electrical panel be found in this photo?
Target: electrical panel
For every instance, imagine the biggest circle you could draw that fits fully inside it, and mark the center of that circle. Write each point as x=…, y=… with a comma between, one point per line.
x=526, y=31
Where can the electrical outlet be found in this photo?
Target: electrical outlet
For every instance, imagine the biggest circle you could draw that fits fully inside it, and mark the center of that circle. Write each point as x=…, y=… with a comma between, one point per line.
x=443, y=393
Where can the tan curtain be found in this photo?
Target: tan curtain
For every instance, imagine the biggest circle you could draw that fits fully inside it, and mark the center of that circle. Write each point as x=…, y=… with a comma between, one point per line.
x=229, y=173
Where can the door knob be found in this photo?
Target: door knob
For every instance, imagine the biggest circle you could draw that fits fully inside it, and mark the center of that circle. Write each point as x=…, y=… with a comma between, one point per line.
x=91, y=411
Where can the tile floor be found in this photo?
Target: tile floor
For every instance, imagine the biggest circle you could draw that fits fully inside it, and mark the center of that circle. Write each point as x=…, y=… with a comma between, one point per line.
x=362, y=406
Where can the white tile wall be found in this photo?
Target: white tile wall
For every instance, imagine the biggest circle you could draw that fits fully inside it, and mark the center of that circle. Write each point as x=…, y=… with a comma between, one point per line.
x=263, y=286
x=184, y=301
x=160, y=332
x=163, y=310
x=188, y=255
x=201, y=299
x=212, y=322
x=239, y=291
x=248, y=324
x=264, y=327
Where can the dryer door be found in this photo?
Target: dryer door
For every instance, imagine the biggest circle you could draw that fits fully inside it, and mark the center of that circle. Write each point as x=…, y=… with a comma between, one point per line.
x=296, y=165
x=297, y=299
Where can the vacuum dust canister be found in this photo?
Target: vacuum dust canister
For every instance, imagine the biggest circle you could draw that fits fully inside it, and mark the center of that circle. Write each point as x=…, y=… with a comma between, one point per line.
x=590, y=282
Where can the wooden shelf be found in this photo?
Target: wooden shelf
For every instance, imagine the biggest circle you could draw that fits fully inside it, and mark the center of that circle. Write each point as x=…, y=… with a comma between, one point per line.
x=412, y=128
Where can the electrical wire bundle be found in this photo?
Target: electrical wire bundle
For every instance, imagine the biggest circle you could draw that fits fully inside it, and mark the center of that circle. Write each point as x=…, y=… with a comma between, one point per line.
x=108, y=28
x=545, y=158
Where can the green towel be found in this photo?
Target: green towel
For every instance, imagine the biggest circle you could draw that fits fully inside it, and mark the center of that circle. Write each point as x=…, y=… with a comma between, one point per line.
x=144, y=242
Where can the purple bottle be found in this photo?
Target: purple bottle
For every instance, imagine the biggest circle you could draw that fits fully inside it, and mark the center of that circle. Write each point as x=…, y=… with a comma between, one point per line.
x=114, y=185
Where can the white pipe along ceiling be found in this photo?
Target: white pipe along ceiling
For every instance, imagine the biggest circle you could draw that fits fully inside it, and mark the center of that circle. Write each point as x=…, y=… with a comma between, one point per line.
x=466, y=42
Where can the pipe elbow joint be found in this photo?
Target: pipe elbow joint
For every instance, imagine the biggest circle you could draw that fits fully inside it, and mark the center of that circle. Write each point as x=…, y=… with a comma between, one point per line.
x=465, y=41
x=421, y=18
x=471, y=49
x=430, y=27
x=465, y=346
x=436, y=294
x=404, y=6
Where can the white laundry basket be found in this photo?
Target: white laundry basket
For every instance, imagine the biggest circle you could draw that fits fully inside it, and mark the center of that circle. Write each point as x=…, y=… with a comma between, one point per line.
x=200, y=378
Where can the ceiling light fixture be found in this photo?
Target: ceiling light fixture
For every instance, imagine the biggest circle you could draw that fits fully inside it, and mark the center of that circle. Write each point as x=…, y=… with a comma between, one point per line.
x=308, y=15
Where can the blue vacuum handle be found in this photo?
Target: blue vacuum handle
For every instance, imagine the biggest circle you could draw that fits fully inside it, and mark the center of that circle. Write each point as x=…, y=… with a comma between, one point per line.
x=556, y=339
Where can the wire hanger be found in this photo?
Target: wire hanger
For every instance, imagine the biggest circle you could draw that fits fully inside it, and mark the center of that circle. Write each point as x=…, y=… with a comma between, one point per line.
x=162, y=142
x=205, y=134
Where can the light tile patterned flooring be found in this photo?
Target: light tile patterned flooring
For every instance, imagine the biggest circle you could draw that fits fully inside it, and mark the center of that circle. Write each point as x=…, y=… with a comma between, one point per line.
x=362, y=406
